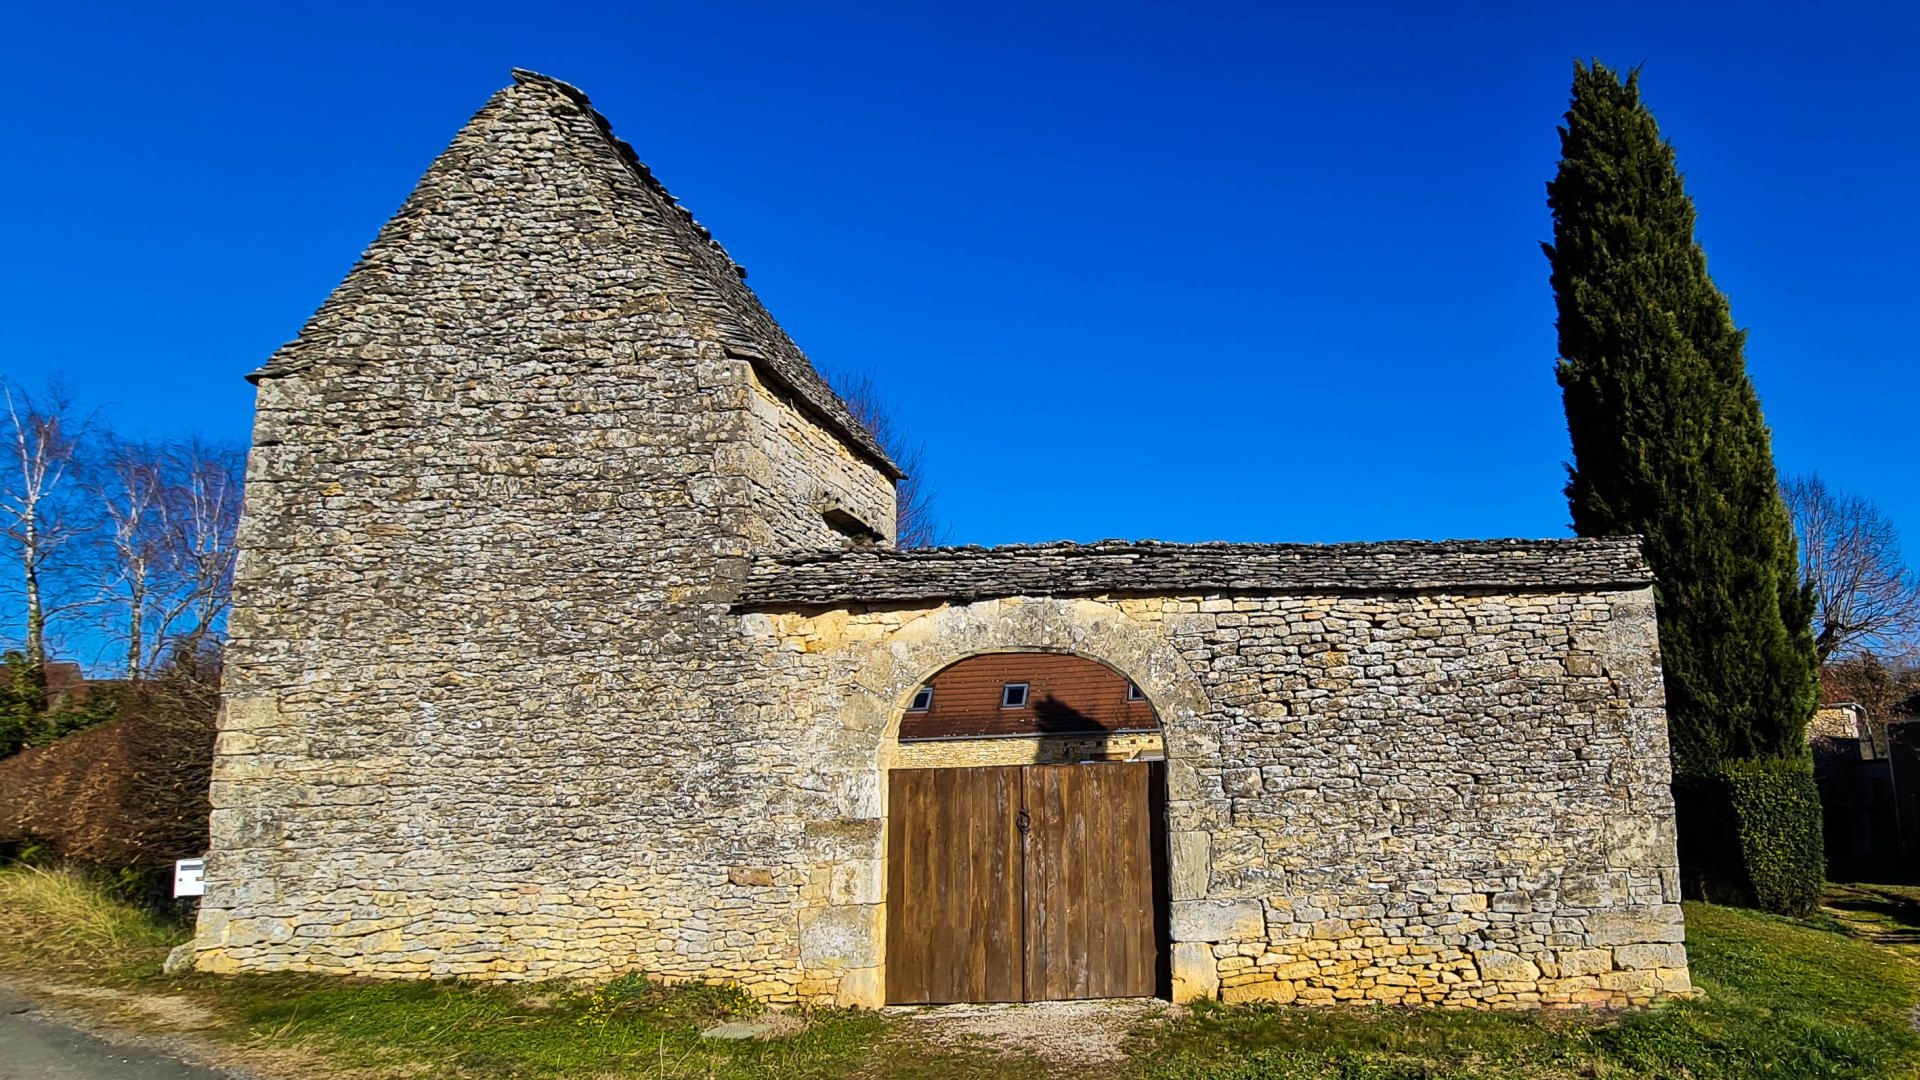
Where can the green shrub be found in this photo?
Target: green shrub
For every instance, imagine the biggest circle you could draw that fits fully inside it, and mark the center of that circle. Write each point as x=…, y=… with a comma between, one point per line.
x=1776, y=812
x=100, y=705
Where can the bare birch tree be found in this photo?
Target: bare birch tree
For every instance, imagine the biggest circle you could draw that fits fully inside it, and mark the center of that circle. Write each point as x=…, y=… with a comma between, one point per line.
x=39, y=514
x=130, y=486
x=202, y=509
x=915, y=525
x=166, y=570
x=1867, y=600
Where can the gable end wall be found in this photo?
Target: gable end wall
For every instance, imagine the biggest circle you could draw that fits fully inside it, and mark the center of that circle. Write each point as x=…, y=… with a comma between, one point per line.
x=483, y=696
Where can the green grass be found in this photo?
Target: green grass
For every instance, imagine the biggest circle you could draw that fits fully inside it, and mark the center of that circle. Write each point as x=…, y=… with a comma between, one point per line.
x=446, y=1029
x=57, y=920
x=1783, y=999
x=1831, y=996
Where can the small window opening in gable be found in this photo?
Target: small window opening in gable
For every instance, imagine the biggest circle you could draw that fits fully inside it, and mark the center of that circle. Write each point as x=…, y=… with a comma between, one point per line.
x=1013, y=695
x=922, y=701
x=857, y=533
x=1134, y=694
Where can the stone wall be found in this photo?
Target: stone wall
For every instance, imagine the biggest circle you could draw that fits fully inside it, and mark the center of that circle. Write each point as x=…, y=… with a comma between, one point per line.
x=1447, y=799
x=1028, y=750
x=514, y=693
x=799, y=472
x=481, y=713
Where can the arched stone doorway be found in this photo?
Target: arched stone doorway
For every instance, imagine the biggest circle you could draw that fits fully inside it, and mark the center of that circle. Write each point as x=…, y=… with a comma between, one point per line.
x=1027, y=856
x=880, y=660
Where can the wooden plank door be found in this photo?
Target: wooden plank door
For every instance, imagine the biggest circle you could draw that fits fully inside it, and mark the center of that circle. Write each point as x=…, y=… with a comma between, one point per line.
x=954, y=909
x=1021, y=883
x=1090, y=930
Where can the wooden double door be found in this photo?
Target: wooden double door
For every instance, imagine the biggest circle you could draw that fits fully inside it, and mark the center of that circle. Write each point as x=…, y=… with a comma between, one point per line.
x=1024, y=883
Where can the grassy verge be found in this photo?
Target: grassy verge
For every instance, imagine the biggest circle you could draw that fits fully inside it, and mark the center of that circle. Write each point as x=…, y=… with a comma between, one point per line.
x=1784, y=999
x=60, y=922
x=628, y=1027
x=1827, y=997
x=58, y=928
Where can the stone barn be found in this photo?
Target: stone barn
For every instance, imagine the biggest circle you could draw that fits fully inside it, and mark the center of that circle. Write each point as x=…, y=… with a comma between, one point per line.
x=569, y=639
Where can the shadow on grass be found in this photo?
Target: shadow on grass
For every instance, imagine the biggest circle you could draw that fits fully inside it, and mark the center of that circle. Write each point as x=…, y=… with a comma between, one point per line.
x=1886, y=914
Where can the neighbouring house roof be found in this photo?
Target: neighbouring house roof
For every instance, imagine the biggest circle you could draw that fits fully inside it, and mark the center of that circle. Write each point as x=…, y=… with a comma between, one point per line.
x=739, y=322
x=963, y=574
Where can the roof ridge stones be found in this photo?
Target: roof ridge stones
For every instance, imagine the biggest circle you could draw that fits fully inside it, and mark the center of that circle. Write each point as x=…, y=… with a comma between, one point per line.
x=1108, y=567
x=742, y=326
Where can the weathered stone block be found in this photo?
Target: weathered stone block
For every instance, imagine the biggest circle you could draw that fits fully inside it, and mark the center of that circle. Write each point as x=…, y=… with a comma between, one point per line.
x=862, y=881
x=1194, y=975
x=1505, y=967
x=1189, y=855
x=861, y=988
x=1279, y=993
x=1657, y=924
x=1585, y=961
x=1218, y=920
x=1650, y=956
x=840, y=937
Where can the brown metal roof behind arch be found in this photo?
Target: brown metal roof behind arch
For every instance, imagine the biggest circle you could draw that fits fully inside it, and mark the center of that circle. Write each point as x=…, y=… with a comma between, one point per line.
x=1066, y=694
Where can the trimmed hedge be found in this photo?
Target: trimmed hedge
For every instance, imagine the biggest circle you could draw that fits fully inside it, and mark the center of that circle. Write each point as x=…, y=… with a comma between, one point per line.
x=130, y=793
x=1752, y=835
x=1776, y=810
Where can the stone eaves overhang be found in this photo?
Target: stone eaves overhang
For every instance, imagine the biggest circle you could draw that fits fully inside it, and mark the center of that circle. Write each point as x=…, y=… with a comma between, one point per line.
x=883, y=576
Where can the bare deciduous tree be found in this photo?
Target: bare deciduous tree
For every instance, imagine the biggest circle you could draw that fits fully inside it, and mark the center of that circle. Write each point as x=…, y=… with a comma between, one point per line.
x=1867, y=600
x=914, y=524
x=130, y=487
x=39, y=512
x=197, y=552
x=165, y=581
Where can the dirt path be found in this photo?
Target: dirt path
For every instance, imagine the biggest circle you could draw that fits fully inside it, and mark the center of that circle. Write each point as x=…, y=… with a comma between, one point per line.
x=1088, y=1033
x=37, y=1045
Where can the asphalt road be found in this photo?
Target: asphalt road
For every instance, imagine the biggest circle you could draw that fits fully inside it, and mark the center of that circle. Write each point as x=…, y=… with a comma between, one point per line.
x=33, y=1047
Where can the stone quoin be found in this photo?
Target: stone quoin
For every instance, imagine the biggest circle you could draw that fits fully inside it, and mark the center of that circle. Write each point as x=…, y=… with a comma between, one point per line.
x=569, y=639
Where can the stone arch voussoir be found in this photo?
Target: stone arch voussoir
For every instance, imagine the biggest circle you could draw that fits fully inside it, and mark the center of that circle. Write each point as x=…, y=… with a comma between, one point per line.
x=1138, y=648
x=1098, y=631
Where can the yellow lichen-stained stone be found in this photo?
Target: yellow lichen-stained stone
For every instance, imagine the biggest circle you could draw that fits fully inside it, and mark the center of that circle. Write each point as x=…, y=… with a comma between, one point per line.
x=1280, y=993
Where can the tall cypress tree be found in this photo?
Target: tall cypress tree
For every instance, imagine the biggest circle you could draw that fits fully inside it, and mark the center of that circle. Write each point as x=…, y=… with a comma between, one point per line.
x=1668, y=440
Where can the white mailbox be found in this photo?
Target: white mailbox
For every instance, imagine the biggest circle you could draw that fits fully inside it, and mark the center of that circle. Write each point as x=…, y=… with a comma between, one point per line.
x=187, y=874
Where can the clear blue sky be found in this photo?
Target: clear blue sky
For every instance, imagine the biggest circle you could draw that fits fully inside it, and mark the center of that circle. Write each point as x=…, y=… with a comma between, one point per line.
x=1260, y=272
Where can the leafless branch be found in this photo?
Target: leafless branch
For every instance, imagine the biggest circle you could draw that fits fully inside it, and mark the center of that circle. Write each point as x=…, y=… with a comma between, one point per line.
x=1866, y=599
x=915, y=525
x=197, y=552
x=130, y=488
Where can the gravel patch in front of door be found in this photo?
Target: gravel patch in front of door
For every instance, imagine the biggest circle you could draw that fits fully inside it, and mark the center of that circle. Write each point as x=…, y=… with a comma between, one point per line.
x=1089, y=1032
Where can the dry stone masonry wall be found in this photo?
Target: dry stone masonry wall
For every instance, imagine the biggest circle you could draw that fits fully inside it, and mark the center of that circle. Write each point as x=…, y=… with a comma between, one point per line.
x=801, y=473
x=1455, y=799
x=550, y=659
x=481, y=713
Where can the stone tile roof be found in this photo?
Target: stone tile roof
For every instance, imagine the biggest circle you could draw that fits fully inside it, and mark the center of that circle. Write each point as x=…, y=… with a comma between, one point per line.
x=962, y=574
x=741, y=323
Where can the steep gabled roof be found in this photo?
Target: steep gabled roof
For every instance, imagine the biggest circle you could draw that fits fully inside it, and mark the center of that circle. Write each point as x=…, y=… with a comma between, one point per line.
x=1120, y=567
x=716, y=285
